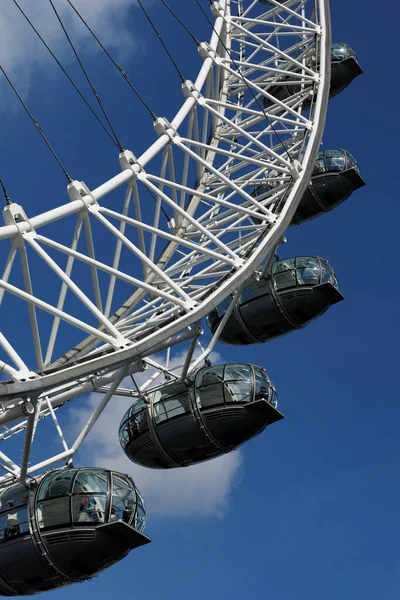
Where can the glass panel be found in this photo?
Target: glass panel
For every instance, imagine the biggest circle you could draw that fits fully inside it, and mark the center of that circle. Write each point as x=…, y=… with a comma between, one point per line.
x=138, y=424
x=341, y=51
x=57, y=484
x=13, y=521
x=171, y=402
x=238, y=383
x=262, y=385
x=319, y=166
x=89, y=508
x=283, y=265
x=209, y=390
x=140, y=516
x=91, y=481
x=330, y=161
x=123, y=499
x=351, y=162
x=335, y=160
x=13, y=512
x=274, y=399
x=138, y=406
x=328, y=274
x=133, y=425
x=54, y=512
x=308, y=276
x=306, y=261
x=16, y=495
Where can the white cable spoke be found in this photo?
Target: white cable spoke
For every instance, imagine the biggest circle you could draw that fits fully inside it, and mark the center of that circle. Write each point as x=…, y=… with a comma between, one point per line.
x=167, y=236
x=63, y=291
x=91, y=253
x=58, y=313
x=118, y=248
x=118, y=274
x=30, y=238
x=31, y=308
x=135, y=250
x=8, y=267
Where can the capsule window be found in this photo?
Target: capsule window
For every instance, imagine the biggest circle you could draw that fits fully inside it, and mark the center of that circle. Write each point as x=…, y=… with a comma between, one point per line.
x=134, y=423
x=209, y=391
x=171, y=402
x=90, y=497
x=123, y=499
x=309, y=276
x=14, y=518
x=89, y=508
x=280, y=266
x=341, y=51
x=262, y=386
x=57, y=485
x=238, y=383
x=139, y=521
x=352, y=163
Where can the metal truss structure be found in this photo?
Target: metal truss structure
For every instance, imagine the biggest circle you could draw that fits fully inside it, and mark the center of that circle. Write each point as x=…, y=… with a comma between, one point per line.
x=96, y=289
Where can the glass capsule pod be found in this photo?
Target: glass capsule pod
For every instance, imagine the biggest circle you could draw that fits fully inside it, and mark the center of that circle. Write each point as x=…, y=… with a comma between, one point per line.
x=336, y=175
x=210, y=414
x=296, y=291
x=344, y=69
x=66, y=527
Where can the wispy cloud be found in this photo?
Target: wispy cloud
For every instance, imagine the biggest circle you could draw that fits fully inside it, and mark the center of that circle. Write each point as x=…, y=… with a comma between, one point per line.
x=201, y=490
x=21, y=52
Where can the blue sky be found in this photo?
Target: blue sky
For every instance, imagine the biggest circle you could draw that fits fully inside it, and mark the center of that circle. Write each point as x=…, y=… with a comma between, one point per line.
x=310, y=508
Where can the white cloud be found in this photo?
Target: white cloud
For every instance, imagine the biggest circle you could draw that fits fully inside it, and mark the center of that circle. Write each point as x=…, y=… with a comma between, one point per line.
x=200, y=490
x=21, y=51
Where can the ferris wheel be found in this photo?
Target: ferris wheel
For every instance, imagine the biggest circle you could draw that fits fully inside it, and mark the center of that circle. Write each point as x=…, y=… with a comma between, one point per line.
x=176, y=251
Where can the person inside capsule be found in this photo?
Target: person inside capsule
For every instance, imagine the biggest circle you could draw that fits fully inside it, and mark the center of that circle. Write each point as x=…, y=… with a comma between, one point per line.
x=13, y=512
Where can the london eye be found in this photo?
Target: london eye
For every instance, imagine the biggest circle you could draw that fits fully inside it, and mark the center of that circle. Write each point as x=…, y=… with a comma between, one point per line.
x=180, y=249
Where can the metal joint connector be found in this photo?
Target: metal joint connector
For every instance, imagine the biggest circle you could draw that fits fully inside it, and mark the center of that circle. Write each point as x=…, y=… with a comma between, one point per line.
x=14, y=214
x=163, y=126
x=217, y=10
x=128, y=160
x=78, y=190
x=189, y=90
x=206, y=51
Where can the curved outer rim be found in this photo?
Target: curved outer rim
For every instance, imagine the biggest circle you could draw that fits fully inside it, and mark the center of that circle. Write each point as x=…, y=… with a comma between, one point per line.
x=118, y=358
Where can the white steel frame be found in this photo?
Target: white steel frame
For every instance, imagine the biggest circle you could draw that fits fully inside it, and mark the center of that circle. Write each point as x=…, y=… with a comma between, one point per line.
x=217, y=236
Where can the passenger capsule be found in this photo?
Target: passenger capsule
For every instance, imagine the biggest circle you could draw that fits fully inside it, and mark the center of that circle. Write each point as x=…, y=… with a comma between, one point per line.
x=335, y=177
x=66, y=527
x=344, y=68
x=184, y=423
x=296, y=291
